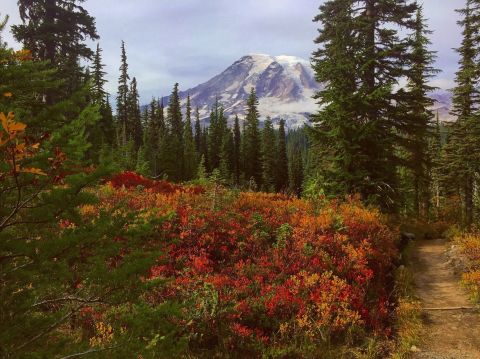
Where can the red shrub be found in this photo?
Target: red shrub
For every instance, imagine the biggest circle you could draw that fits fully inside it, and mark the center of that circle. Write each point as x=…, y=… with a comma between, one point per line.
x=261, y=266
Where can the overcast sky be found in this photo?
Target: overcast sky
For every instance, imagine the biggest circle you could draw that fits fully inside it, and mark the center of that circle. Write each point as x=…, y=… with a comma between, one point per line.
x=190, y=41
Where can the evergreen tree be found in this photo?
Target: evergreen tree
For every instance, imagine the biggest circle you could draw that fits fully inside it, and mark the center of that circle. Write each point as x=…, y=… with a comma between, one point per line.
x=226, y=156
x=106, y=123
x=142, y=165
x=204, y=152
x=463, y=143
x=435, y=171
x=122, y=99
x=198, y=130
x=269, y=156
x=252, y=141
x=134, y=122
x=417, y=125
x=100, y=97
x=152, y=138
x=218, y=125
x=98, y=78
x=56, y=31
x=295, y=172
x=189, y=154
x=282, y=160
x=174, y=144
x=237, y=148
x=361, y=57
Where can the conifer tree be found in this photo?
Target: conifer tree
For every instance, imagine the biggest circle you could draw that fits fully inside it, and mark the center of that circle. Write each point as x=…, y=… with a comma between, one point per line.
x=204, y=152
x=198, y=130
x=98, y=77
x=134, y=122
x=282, y=160
x=418, y=117
x=252, y=142
x=56, y=31
x=218, y=125
x=269, y=156
x=295, y=171
x=361, y=57
x=189, y=154
x=237, y=148
x=173, y=151
x=152, y=139
x=100, y=97
x=435, y=149
x=226, y=156
x=106, y=122
x=462, y=148
x=122, y=99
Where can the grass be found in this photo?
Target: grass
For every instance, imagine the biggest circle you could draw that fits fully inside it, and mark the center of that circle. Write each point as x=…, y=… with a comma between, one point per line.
x=408, y=321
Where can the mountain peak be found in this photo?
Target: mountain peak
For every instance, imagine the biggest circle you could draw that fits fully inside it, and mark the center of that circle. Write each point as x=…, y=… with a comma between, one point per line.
x=284, y=85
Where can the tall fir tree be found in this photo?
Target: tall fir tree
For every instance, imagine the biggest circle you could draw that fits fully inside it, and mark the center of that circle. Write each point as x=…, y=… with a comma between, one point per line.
x=269, y=156
x=295, y=171
x=174, y=144
x=189, y=151
x=204, y=152
x=417, y=126
x=101, y=98
x=237, y=148
x=226, y=156
x=462, y=148
x=56, y=31
x=361, y=57
x=122, y=99
x=218, y=125
x=98, y=77
x=134, y=119
x=151, y=138
x=198, y=130
x=252, y=142
x=281, y=175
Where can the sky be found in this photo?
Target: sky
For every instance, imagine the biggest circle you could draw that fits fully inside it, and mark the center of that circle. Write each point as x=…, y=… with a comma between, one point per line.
x=190, y=41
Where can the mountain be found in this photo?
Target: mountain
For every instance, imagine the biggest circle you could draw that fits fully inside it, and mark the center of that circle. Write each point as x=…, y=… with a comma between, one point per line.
x=285, y=86
x=443, y=104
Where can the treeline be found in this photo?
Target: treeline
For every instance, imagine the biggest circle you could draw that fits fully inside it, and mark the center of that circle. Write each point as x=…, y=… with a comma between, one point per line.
x=163, y=142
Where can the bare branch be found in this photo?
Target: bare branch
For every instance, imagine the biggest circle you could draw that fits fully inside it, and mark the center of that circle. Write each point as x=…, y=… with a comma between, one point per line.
x=88, y=352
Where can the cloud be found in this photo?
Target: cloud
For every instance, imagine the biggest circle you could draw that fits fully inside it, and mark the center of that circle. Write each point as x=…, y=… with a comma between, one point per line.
x=189, y=41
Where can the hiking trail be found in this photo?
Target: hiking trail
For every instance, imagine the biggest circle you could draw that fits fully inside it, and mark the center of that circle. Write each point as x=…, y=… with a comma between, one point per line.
x=451, y=324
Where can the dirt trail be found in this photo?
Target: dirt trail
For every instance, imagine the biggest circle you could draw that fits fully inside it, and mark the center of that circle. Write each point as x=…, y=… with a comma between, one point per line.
x=448, y=334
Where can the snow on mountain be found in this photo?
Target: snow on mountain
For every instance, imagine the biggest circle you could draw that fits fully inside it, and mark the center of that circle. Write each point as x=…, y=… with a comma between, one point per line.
x=285, y=86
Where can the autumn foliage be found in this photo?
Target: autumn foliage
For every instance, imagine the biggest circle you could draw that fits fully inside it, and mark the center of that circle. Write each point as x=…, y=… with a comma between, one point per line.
x=260, y=273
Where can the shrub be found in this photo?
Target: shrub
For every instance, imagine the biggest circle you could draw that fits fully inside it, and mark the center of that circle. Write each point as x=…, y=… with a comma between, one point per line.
x=263, y=273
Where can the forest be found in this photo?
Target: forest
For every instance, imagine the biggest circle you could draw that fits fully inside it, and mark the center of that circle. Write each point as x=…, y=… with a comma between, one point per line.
x=131, y=230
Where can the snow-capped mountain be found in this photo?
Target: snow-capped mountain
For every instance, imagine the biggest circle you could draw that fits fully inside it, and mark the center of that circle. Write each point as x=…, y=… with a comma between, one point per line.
x=285, y=86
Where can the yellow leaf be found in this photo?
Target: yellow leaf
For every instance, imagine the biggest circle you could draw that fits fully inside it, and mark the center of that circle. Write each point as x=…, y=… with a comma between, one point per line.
x=17, y=127
x=4, y=121
x=35, y=171
x=9, y=124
